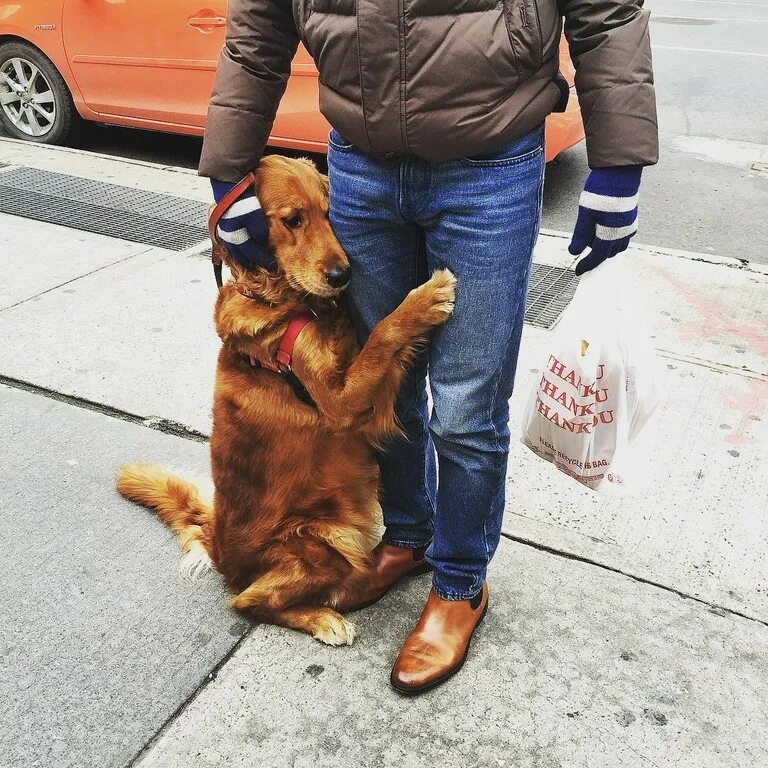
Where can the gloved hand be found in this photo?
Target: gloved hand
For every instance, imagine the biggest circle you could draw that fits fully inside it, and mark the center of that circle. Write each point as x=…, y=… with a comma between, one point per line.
x=607, y=217
x=243, y=229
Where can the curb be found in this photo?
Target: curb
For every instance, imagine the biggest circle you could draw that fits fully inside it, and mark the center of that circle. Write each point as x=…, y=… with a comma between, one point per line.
x=707, y=258
x=100, y=155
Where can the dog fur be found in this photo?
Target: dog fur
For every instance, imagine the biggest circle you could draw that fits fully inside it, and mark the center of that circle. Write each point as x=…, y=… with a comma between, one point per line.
x=295, y=504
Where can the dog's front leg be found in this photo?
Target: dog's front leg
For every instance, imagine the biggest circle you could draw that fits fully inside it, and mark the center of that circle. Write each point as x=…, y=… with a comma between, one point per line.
x=370, y=384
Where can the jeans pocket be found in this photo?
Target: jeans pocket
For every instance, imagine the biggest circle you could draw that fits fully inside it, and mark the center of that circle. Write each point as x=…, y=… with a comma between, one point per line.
x=518, y=151
x=338, y=142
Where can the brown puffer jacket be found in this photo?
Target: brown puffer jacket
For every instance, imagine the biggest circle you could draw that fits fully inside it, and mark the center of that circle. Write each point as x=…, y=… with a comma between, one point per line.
x=439, y=79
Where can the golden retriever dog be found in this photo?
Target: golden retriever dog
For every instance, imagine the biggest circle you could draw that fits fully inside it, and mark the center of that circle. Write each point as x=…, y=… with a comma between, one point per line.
x=295, y=507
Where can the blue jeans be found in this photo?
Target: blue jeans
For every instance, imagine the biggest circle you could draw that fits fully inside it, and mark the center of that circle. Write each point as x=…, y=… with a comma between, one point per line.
x=398, y=222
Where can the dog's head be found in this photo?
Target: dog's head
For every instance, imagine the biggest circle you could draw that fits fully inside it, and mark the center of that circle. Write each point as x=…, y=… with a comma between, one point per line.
x=294, y=197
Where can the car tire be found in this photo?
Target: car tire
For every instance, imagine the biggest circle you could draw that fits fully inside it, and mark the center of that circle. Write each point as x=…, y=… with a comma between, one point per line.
x=43, y=112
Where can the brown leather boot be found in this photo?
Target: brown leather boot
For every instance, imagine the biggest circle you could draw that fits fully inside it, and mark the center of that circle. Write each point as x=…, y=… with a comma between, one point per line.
x=438, y=646
x=390, y=564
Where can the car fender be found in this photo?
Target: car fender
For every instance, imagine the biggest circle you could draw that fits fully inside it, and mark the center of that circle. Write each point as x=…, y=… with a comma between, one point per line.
x=33, y=26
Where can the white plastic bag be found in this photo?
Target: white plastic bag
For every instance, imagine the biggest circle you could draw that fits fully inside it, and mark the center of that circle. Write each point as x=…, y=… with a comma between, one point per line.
x=593, y=399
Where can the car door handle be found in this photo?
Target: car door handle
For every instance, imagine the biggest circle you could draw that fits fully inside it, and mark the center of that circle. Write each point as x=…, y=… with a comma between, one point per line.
x=206, y=21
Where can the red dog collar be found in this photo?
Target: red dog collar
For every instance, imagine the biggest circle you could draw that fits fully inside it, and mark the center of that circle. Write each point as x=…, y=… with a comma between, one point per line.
x=284, y=356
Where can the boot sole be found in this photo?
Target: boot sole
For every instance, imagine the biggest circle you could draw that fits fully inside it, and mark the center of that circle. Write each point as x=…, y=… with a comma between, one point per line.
x=447, y=675
x=419, y=570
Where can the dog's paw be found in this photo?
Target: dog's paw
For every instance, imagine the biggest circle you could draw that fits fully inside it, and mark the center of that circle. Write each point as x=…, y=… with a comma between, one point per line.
x=442, y=291
x=196, y=563
x=332, y=628
x=434, y=301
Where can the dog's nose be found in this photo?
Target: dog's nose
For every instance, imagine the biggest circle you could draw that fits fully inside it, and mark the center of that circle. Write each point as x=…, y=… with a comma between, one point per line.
x=338, y=277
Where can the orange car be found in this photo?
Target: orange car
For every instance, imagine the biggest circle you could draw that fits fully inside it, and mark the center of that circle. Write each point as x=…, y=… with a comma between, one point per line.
x=150, y=64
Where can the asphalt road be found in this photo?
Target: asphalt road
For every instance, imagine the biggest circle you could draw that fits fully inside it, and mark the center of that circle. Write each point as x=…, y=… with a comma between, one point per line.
x=711, y=64
x=711, y=67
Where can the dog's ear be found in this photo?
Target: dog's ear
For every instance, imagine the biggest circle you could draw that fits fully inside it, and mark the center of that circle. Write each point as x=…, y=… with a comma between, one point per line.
x=326, y=184
x=307, y=161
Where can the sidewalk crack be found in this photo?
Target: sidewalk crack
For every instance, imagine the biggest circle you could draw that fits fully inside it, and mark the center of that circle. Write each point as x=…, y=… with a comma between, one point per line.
x=714, y=607
x=209, y=678
x=157, y=423
x=75, y=279
x=712, y=365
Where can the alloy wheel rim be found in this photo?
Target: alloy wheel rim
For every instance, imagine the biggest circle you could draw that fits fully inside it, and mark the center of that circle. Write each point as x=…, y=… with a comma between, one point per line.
x=27, y=97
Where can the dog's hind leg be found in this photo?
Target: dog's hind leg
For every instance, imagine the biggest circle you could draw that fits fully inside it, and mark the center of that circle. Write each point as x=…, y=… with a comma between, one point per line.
x=269, y=598
x=178, y=504
x=196, y=562
x=324, y=624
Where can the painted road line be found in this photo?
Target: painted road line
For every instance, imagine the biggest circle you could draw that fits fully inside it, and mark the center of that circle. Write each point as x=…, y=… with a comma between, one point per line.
x=723, y=2
x=708, y=50
x=675, y=17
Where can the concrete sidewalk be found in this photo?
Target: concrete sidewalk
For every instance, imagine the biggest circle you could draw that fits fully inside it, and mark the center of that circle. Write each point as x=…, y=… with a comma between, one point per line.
x=621, y=633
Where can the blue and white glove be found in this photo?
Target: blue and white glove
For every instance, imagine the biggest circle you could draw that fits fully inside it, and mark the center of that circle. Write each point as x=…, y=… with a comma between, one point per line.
x=607, y=217
x=243, y=229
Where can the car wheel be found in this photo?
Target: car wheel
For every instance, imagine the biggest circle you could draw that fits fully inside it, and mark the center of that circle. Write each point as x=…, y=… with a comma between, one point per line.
x=35, y=103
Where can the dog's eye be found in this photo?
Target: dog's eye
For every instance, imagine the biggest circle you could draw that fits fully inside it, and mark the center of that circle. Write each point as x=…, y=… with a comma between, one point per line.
x=293, y=222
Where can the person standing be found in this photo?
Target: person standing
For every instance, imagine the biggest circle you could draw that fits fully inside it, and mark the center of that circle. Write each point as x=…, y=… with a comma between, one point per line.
x=436, y=159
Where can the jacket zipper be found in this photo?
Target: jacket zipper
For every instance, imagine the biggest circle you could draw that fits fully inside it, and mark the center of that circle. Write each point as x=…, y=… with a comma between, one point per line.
x=401, y=42
x=526, y=23
x=541, y=34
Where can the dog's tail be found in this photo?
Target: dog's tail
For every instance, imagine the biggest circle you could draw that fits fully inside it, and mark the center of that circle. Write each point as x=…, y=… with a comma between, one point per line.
x=178, y=504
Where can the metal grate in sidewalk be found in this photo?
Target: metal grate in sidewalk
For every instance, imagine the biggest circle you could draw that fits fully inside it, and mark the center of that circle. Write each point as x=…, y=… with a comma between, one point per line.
x=130, y=214
x=177, y=223
x=550, y=291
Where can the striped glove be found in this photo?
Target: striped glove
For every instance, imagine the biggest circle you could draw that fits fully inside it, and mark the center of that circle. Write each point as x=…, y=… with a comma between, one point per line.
x=607, y=217
x=243, y=229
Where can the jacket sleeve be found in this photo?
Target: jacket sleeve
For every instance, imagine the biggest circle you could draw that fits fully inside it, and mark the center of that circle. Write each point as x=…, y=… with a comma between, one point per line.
x=251, y=77
x=611, y=50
